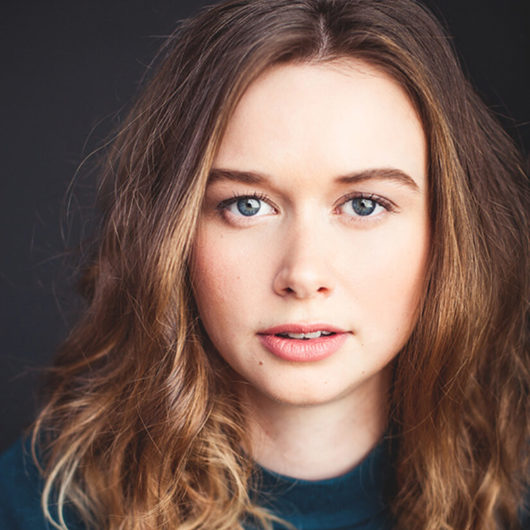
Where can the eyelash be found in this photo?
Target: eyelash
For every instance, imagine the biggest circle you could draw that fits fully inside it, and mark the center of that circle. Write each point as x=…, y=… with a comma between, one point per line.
x=222, y=207
x=381, y=201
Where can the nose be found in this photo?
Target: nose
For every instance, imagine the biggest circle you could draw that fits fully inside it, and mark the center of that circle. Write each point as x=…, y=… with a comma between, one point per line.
x=305, y=269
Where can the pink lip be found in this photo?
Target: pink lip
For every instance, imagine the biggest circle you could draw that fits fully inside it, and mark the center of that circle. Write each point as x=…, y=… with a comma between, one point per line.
x=302, y=350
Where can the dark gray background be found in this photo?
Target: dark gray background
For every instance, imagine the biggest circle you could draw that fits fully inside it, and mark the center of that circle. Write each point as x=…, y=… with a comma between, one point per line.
x=67, y=70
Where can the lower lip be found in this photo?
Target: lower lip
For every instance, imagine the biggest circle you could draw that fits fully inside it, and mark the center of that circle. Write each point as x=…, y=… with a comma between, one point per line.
x=303, y=350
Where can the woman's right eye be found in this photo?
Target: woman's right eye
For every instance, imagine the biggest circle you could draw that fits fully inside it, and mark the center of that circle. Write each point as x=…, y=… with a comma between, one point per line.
x=247, y=206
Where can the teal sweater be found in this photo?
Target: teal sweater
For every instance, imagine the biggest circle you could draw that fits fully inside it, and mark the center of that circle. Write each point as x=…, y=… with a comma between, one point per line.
x=351, y=501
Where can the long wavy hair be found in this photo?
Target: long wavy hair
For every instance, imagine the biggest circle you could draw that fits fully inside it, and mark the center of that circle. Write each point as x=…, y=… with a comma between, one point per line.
x=140, y=428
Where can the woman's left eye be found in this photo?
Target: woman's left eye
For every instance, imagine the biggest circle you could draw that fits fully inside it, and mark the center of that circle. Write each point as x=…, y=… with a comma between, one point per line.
x=246, y=206
x=363, y=206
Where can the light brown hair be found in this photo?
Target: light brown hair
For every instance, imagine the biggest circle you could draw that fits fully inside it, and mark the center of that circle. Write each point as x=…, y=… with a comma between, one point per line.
x=141, y=430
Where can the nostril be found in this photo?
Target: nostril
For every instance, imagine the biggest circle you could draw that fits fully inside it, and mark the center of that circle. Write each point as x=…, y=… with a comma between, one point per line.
x=303, y=282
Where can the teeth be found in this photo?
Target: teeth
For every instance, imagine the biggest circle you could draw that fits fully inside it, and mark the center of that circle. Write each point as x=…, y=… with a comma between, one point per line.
x=306, y=336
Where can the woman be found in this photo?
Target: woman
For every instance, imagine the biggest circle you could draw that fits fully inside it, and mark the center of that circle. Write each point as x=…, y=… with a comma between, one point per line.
x=306, y=301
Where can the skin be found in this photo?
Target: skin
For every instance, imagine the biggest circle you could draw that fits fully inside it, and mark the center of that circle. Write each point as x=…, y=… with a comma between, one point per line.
x=307, y=256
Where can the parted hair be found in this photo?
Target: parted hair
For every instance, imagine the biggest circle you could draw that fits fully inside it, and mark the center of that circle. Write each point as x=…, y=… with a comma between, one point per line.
x=140, y=428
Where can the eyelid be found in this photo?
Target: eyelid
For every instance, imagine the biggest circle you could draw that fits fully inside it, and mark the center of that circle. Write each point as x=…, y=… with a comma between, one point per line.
x=226, y=203
x=385, y=203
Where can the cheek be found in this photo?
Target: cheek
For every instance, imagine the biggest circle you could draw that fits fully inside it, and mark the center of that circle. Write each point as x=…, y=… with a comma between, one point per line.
x=224, y=279
x=210, y=275
x=392, y=283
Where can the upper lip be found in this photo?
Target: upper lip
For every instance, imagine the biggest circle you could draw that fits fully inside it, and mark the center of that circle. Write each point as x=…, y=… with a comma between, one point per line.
x=300, y=328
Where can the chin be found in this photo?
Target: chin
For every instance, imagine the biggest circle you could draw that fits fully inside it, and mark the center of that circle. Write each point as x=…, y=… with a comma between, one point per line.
x=301, y=393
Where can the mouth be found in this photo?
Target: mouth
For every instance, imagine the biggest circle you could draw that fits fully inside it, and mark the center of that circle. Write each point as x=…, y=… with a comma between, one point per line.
x=301, y=342
x=298, y=331
x=305, y=336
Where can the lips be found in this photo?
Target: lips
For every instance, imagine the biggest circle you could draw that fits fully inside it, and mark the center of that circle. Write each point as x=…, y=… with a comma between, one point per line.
x=303, y=342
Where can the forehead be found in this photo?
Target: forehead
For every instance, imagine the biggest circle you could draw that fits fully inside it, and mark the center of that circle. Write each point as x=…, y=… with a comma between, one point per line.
x=336, y=117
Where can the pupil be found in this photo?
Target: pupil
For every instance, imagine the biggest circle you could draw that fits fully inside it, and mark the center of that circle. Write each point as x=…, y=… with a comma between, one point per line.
x=248, y=206
x=363, y=206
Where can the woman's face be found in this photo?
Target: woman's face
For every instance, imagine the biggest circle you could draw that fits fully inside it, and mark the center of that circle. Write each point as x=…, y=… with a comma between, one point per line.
x=311, y=251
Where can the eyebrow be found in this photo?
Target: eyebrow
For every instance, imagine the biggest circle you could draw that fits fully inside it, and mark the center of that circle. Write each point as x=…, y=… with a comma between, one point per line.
x=394, y=174
x=251, y=177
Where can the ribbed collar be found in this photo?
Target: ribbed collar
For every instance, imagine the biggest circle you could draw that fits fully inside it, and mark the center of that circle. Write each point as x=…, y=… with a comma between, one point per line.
x=354, y=500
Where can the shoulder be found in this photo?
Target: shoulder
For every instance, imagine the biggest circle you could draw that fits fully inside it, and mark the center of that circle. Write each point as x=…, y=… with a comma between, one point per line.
x=20, y=490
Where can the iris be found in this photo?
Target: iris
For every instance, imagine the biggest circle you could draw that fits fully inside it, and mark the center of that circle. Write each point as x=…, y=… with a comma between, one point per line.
x=363, y=206
x=248, y=206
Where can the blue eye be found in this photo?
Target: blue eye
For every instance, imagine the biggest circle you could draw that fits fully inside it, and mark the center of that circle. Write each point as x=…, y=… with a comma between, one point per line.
x=363, y=206
x=248, y=206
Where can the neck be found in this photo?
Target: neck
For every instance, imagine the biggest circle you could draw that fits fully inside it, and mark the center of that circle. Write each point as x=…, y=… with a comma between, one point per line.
x=317, y=441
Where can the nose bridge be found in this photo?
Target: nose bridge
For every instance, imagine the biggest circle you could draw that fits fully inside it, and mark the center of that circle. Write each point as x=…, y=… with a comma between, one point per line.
x=305, y=268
